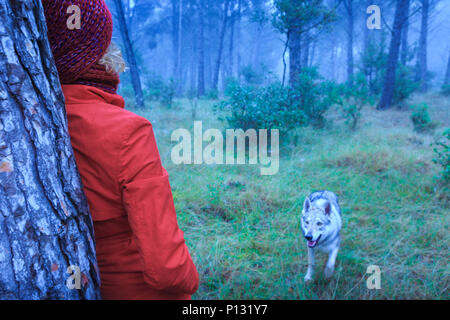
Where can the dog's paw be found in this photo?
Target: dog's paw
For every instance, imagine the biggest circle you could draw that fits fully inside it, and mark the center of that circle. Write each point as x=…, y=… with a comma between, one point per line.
x=308, y=278
x=328, y=272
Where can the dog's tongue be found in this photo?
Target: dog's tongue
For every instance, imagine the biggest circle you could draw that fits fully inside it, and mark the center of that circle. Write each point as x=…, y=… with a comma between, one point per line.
x=312, y=243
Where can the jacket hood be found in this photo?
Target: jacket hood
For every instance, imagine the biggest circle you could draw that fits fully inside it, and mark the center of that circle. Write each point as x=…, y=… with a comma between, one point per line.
x=82, y=94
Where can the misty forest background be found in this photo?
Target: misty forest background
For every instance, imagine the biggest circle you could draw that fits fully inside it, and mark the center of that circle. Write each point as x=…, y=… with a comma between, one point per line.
x=364, y=113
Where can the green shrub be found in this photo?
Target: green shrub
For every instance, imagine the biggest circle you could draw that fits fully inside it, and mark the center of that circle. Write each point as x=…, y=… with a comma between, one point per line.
x=356, y=97
x=259, y=108
x=127, y=92
x=405, y=85
x=421, y=119
x=160, y=90
x=373, y=64
x=314, y=96
x=446, y=90
x=442, y=151
x=254, y=76
x=212, y=94
x=278, y=107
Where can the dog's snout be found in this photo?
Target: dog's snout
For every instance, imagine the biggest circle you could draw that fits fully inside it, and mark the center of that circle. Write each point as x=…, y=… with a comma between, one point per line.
x=308, y=237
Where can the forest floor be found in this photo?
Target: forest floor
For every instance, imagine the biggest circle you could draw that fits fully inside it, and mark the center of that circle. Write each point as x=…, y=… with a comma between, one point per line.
x=243, y=229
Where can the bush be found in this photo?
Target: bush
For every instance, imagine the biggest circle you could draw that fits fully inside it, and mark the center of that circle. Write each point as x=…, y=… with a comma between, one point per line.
x=255, y=76
x=405, y=85
x=259, y=108
x=356, y=97
x=160, y=90
x=278, y=107
x=313, y=96
x=442, y=151
x=446, y=90
x=212, y=94
x=421, y=119
x=373, y=64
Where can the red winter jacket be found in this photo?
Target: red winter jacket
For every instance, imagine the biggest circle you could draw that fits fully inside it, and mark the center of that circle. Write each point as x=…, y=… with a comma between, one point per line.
x=141, y=251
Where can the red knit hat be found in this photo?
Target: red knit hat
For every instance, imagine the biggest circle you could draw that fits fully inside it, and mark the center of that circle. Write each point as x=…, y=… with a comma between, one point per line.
x=76, y=52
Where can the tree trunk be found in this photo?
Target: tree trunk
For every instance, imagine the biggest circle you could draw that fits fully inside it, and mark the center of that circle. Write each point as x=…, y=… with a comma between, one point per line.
x=404, y=52
x=394, y=48
x=179, y=75
x=238, y=39
x=45, y=224
x=422, y=55
x=367, y=42
x=333, y=61
x=312, y=54
x=223, y=29
x=193, y=62
x=201, y=49
x=447, y=74
x=350, y=30
x=130, y=56
x=175, y=39
x=305, y=50
x=231, y=49
x=295, y=54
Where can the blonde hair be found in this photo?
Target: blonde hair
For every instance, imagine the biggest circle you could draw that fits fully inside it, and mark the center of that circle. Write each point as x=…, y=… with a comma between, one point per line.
x=113, y=60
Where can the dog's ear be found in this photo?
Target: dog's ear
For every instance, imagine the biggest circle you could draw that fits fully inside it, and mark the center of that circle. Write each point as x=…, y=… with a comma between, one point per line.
x=306, y=204
x=327, y=208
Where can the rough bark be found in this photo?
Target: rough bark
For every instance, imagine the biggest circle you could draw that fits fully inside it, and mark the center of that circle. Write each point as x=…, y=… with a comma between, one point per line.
x=223, y=29
x=394, y=48
x=45, y=225
x=129, y=54
x=423, y=43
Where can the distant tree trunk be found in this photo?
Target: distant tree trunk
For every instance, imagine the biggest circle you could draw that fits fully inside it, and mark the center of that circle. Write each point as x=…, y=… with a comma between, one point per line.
x=179, y=75
x=231, y=49
x=193, y=61
x=45, y=224
x=394, y=48
x=238, y=38
x=312, y=54
x=223, y=29
x=422, y=55
x=350, y=30
x=305, y=49
x=175, y=37
x=333, y=61
x=201, y=49
x=295, y=55
x=129, y=54
x=404, y=52
x=367, y=40
x=447, y=74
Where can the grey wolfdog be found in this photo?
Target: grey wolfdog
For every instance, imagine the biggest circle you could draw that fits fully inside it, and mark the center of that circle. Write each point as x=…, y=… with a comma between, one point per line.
x=321, y=222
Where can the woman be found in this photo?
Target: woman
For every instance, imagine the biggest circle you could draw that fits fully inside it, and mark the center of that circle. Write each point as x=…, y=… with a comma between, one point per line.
x=141, y=251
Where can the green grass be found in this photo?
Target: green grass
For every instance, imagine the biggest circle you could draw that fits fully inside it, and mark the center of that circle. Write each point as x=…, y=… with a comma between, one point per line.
x=243, y=230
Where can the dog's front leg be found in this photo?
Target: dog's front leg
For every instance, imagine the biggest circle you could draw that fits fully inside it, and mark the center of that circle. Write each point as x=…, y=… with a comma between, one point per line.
x=329, y=267
x=311, y=262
